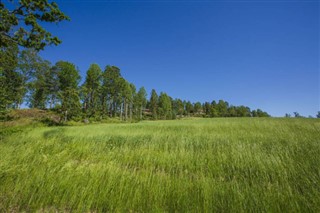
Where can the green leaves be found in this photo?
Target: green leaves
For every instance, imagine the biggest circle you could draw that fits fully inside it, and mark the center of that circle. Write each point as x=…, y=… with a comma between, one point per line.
x=28, y=14
x=154, y=104
x=10, y=80
x=165, y=107
x=68, y=77
x=91, y=89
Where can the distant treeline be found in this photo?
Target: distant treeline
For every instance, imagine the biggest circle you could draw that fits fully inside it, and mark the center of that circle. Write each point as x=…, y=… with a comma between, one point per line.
x=26, y=78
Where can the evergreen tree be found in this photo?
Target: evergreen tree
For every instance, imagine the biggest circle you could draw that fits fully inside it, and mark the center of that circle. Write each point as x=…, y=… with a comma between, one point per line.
x=124, y=90
x=127, y=97
x=38, y=87
x=178, y=107
x=197, y=108
x=111, y=89
x=214, y=112
x=222, y=108
x=10, y=79
x=132, y=99
x=261, y=113
x=141, y=100
x=189, y=108
x=165, y=106
x=69, y=79
x=296, y=115
x=28, y=64
x=243, y=111
x=206, y=108
x=232, y=111
x=107, y=92
x=154, y=104
x=21, y=23
x=91, y=89
x=52, y=86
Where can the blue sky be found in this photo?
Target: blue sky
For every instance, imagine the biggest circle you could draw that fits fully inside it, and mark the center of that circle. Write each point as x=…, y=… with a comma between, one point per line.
x=262, y=54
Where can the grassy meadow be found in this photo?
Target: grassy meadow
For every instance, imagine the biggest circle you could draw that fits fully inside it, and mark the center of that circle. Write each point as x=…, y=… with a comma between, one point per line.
x=196, y=165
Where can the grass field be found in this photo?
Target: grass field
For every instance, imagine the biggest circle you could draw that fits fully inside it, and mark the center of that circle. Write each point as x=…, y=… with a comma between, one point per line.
x=198, y=165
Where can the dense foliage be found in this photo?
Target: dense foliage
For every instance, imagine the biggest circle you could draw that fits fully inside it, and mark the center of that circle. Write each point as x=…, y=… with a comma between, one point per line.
x=25, y=74
x=27, y=78
x=21, y=23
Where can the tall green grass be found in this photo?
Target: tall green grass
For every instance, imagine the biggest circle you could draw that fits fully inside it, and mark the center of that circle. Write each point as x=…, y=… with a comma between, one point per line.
x=198, y=165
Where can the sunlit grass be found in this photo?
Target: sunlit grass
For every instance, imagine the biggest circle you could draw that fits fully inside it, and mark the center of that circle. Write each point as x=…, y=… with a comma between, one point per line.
x=198, y=165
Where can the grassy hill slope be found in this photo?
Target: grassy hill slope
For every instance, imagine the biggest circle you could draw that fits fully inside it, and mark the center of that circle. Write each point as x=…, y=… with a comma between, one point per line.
x=222, y=164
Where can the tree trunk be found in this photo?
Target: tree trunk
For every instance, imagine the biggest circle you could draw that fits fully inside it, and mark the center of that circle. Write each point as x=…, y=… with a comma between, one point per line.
x=121, y=108
x=141, y=113
x=110, y=109
x=126, y=110
x=50, y=103
x=66, y=116
x=130, y=111
x=115, y=109
x=85, y=106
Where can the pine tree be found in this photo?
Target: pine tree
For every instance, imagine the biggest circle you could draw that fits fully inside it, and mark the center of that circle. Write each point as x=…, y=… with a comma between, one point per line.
x=178, y=107
x=10, y=79
x=91, y=89
x=111, y=79
x=52, y=86
x=38, y=87
x=165, y=106
x=141, y=101
x=197, y=107
x=131, y=100
x=222, y=108
x=189, y=108
x=69, y=79
x=21, y=23
x=154, y=104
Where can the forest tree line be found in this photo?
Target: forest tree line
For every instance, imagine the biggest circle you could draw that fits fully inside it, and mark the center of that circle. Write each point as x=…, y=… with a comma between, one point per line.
x=25, y=78
x=29, y=79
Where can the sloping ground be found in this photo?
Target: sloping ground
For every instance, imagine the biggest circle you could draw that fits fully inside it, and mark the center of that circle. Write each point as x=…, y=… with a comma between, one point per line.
x=28, y=113
x=198, y=165
x=18, y=120
x=25, y=116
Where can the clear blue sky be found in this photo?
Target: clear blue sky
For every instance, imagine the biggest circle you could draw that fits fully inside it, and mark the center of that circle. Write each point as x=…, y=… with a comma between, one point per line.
x=262, y=54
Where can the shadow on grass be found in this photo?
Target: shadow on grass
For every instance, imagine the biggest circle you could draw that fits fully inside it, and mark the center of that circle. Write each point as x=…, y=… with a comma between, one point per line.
x=54, y=133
